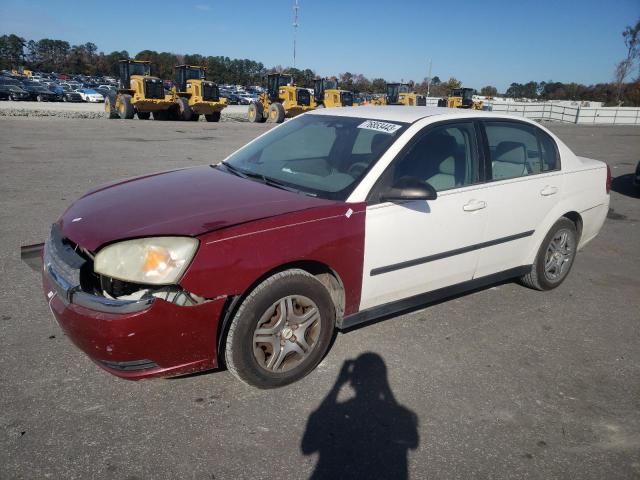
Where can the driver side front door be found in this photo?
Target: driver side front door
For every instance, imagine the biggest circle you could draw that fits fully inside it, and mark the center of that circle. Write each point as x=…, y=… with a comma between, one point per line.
x=414, y=247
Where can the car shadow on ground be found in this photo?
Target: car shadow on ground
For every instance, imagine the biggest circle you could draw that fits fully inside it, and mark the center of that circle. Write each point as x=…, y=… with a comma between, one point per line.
x=623, y=185
x=367, y=436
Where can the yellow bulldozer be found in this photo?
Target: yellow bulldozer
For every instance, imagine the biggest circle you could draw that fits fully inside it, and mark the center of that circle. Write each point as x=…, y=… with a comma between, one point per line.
x=326, y=94
x=461, y=98
x=401, y=94
x=138, y=94
x=282, y=99
x=194, y=96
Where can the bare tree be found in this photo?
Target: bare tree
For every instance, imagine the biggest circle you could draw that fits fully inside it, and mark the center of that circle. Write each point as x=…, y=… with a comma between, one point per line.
x=631, y=37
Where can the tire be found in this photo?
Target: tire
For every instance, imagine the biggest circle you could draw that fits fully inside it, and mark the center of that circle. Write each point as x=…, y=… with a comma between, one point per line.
x=64, y=99
x=213, y=117
x=161, y=115
x=126, y=110
x=39, y=98
x=555, y=257
x=144, y=115
x=195, y=117
x=184, y=109
x=294, y=289
x=255, y=112
x=13, y=98
x=110, y=108
x=276, y=113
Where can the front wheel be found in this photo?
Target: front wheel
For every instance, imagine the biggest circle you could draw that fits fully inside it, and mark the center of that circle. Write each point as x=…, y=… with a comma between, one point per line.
x=281, y=331
x=213, y=117
x=276, y=113
x=555, y=257
x=255, y=112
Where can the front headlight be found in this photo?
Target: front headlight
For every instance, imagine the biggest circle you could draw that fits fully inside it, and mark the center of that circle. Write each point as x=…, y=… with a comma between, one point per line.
x=156, y=261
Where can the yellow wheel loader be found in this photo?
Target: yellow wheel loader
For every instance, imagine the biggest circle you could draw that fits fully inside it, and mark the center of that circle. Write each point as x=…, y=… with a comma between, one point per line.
x=401, y=94
x=194, y=96
x=138, y=94
x=461, y=98
x=282, y=99
x=326, y=94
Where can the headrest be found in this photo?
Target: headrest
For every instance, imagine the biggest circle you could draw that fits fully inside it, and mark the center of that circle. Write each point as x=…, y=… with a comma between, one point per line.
x=448, y=166
x=511, y=152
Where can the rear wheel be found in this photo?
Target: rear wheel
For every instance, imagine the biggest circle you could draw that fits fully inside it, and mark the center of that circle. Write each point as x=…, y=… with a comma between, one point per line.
x=276, y=113
x=39, y=98
x=256, y=112
x=213, y=117
x=555, y=257
x=126, y=109
x=281, y=331
x=195, y=117
x=184, y=109
x=110, y=107
x=144, y=115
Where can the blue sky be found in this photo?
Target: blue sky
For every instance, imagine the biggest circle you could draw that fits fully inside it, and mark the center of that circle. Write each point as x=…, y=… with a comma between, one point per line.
x=481, y=43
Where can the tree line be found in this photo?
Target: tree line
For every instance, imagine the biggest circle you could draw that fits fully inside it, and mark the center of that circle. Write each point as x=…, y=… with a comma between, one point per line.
x=60, y=56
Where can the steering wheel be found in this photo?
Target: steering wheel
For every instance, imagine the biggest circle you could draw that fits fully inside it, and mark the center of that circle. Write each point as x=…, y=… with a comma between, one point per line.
x=357, y=169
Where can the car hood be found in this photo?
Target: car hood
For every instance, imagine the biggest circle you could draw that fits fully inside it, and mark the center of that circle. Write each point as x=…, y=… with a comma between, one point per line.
x=187, y=202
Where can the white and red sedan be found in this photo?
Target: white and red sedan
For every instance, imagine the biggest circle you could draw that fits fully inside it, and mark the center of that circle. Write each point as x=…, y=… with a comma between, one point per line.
x=334, y=218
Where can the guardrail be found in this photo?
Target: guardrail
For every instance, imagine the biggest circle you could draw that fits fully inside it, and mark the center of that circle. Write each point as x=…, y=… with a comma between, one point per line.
x=571, y=114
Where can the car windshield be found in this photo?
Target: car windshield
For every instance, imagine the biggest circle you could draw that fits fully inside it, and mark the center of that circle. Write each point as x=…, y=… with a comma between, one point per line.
x=320, y=155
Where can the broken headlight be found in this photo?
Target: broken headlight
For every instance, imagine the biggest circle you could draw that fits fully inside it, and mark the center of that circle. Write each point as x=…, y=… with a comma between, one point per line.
x=153, y=261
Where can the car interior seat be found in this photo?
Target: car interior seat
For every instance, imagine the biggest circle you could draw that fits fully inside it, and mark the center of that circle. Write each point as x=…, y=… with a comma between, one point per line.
x=509, y=160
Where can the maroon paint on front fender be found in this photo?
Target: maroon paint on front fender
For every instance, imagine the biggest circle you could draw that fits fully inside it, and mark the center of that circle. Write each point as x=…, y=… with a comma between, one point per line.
x=189, y=202
x=178, y=339
x=229, y=261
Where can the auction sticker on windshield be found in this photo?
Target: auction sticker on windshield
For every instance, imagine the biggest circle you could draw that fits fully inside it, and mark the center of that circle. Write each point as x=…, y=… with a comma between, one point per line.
x=379, y=126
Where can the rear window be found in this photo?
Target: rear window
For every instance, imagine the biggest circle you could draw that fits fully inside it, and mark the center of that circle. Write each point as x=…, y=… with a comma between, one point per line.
x=519, y=149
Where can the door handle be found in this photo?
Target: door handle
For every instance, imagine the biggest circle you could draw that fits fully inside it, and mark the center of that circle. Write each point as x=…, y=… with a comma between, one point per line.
x=474, y=205
x=548, y=190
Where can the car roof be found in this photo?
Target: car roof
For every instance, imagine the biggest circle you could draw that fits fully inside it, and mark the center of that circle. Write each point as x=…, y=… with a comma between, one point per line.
x=399, y=113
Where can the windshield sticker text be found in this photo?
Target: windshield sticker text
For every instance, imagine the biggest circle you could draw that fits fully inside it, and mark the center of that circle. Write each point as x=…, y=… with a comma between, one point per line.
x=379, y=126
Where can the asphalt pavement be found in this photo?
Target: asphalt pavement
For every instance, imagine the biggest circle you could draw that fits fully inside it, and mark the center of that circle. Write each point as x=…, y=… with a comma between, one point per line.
x=505, y=382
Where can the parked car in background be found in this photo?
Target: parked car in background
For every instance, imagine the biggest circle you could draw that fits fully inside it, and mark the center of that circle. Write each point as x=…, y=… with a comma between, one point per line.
x=40, y=93
x=14, y=92
x=340, y=217
x=90, y=95
x=71, y=96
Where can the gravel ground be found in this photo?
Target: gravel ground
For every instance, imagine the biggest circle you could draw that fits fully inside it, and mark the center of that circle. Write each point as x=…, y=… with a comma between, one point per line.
x=86, y=110
x=505, y=382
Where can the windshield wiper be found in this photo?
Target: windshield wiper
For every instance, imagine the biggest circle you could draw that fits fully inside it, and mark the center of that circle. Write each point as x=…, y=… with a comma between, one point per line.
x=231, y=169
x=262, y=178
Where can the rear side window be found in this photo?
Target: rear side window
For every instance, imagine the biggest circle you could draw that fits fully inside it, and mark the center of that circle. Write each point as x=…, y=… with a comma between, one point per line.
x=518, y=150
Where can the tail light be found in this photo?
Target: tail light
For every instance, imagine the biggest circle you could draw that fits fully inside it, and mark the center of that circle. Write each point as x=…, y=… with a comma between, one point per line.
x=608, y=184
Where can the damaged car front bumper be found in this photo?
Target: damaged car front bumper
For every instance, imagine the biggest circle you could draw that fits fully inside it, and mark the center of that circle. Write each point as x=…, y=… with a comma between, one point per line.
x=130, y=338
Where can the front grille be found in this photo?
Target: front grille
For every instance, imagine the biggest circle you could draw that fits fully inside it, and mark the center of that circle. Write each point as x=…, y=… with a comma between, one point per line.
x=153, y=88
x=303, y=97
x=63, y=263
x=210, y=91
x=346, y=99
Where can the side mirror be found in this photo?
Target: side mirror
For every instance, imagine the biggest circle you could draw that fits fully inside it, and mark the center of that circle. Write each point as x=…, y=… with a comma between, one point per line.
x=409, y=188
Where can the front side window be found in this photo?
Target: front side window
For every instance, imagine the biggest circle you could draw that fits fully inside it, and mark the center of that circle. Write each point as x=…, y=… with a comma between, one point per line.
x=321, y=155
x=445, y=157
x=517, y=150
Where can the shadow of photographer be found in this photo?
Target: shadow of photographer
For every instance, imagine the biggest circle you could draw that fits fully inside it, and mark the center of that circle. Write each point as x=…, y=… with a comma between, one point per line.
x=367, y=436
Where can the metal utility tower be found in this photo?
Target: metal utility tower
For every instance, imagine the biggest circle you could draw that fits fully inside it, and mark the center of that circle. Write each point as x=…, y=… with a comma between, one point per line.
x=296, y=7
